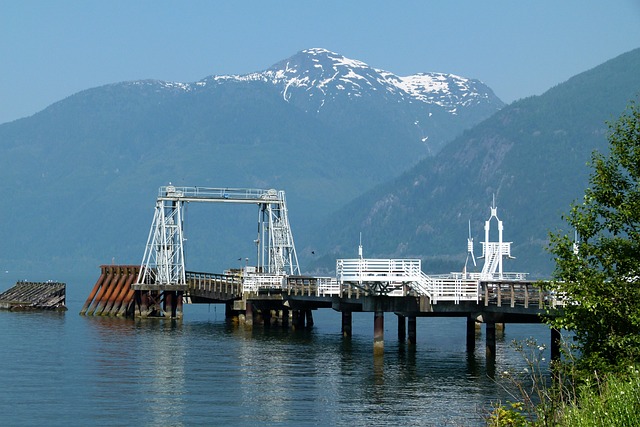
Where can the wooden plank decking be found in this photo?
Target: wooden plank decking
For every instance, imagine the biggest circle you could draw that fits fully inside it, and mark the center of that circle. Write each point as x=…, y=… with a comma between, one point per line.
x=34, y=296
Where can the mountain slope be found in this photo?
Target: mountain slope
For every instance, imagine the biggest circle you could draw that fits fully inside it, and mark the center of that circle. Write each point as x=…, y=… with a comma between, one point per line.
x=531, y=156
x=81, y=176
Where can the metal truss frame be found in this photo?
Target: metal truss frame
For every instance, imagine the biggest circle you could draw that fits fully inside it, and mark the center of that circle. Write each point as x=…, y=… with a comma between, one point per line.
x=163, y=263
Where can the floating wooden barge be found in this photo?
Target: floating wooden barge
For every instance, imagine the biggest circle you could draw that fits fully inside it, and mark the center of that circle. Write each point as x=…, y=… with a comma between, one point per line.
x=35, y=296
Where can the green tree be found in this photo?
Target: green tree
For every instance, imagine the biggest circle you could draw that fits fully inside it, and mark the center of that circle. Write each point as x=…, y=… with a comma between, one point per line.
x=600, y=273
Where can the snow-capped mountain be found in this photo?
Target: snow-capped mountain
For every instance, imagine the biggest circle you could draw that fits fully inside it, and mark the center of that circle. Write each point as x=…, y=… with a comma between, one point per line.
x=435, y=107
x=323, y=127
x=315, y=79
x=322, y=75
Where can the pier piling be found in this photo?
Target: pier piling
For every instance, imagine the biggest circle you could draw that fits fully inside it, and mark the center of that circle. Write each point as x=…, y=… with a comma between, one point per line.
x=555, y=344
x=378, y=332
x=309, y=317
x=248, y=320
x=471, y=334
x=490, y=340
x=347, y=323
x=402, y=328
x=411, y=323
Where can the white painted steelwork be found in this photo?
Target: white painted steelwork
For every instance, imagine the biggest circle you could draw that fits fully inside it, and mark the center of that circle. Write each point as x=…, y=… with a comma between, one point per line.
x=389, y=276
x=362, y=270
x=454, y=287
x=494, y=253
x=378, y=276
x=163, y=262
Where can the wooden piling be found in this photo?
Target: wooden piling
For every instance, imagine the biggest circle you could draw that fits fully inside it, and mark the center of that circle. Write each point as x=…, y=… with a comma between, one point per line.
x=471, y=334
x=490, y=328
x=309, y=317
x=378, y=331
x=402, y=327
x=98, y=301
x=347, y=323
x=248, y=320
x=93, y=293
x=111, y=294
x=411, y=323
x=178, y=304
x=127, y=301
x=555, y=344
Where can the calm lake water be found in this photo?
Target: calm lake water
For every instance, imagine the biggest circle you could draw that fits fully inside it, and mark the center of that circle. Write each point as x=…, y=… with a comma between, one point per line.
x=66, y=369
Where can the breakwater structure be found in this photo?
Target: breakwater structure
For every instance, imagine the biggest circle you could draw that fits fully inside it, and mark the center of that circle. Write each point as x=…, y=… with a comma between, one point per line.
x=28, y=296
x=275, y=292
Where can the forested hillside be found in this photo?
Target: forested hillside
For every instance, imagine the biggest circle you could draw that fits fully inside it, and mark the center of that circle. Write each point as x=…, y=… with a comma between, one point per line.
x=531, y=156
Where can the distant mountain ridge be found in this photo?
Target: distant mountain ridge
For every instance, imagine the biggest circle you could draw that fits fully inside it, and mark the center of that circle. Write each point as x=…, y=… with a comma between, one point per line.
x=82, y=175
x=531, y=156
x=317, y=77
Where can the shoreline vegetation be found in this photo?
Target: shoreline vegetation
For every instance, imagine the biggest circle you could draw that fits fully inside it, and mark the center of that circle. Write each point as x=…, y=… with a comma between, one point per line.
x=558, y=394
x=597, y=381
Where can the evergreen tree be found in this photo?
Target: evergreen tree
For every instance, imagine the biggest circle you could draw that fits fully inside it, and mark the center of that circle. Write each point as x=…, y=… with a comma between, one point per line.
x=599, y=274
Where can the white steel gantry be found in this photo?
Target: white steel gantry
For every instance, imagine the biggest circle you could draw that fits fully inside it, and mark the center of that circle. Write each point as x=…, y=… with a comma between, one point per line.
x=163, y=263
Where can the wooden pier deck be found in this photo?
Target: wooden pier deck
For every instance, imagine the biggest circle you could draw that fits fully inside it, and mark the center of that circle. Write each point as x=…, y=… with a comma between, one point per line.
x=34, y=296
x=291, y=300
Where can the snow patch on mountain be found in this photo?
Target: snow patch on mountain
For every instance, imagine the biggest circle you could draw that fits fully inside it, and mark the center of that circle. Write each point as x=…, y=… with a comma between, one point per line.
x=321, y=74
x=329, y=74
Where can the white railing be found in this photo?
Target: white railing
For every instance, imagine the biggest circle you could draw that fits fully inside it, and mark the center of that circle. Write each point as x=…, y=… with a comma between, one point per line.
x=328, y=286
x=218, y=194
x=454, y=288
x=451, y=287
x=506, y=276
x=378, y=270
x=255, y=282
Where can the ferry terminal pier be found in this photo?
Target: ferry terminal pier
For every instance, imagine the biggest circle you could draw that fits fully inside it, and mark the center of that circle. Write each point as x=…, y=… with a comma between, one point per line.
x=274, y=291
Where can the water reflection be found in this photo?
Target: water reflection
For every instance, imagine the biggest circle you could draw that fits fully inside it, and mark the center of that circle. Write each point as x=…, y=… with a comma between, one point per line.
x=204, y=371
x=144, y=358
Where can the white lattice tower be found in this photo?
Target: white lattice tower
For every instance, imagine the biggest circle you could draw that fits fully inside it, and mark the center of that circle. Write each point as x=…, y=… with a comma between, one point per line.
x=163, y=262
x=494, y=252
x=282, y=257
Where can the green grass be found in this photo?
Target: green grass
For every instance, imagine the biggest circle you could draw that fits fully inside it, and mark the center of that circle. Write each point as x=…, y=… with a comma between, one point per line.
x=613, y=402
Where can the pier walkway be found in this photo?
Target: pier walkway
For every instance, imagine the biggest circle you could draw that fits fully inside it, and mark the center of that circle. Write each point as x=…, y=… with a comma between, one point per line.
x=274, y=291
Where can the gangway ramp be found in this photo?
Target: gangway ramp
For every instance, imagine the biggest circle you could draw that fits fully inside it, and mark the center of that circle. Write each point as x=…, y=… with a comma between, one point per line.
x=398, y=277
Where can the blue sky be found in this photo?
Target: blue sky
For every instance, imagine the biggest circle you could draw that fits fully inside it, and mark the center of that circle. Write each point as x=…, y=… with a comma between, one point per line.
x=52, y=49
